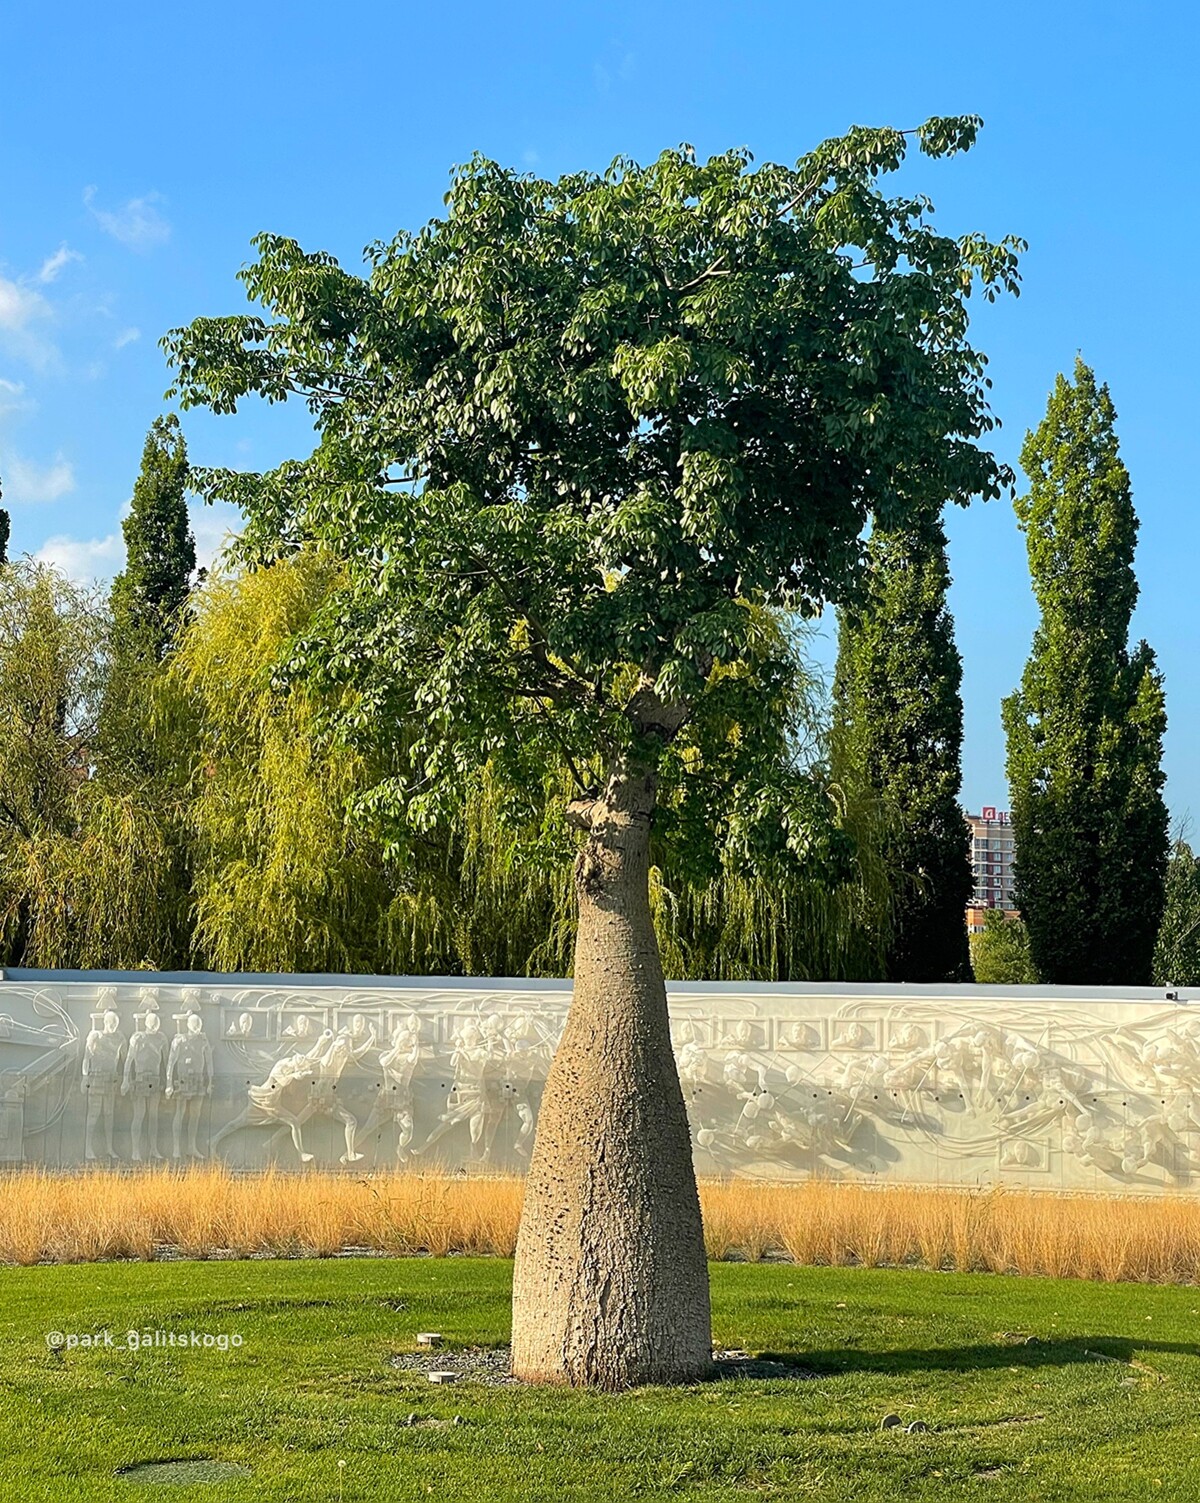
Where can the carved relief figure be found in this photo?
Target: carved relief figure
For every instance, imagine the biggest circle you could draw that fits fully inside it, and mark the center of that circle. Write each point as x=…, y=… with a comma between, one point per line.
x=854, y=1035
x=476, y=1097
x=529, y=1048
x=144, y=1082
x=346, y=1047
x=189, y=1082
x=102, y=1054
x=281, y=1098
x=394, y=1102
x=800, y=1036
x=303, y=1085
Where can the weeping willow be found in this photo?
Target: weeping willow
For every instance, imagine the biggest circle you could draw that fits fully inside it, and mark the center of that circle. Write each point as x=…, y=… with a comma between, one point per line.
x=747, y=927
x=51, y=674
x=280, y=879
x=288, y=873
x=516, y=895
x=516, y=901
x=95, y=898
x=251, y=847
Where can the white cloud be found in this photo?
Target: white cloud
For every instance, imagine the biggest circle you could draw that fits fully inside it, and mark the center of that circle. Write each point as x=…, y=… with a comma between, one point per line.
x=91, y=560
x=22, y=310
x=52, y=265
x=137, y=224
x=12, y=397
x=30, y=484
x=19, y=306
x=126, y=336
x=84, y=560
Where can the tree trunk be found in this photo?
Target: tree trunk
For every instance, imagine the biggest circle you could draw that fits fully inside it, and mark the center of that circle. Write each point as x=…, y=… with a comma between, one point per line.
x=611, y=1285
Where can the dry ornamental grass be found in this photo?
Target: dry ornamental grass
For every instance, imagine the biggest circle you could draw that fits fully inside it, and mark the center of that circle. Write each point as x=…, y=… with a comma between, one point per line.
x=207, y=1212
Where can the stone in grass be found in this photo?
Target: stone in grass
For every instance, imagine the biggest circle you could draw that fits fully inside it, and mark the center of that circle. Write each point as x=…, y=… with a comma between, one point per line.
x=429, y=1338
x=444, y=1377
x=181, y=1473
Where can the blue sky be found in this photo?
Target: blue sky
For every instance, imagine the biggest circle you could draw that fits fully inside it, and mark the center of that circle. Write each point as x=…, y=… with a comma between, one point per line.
x=142, y=146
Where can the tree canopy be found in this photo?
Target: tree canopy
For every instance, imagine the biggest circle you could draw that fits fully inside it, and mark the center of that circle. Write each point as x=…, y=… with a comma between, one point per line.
x=1000, y=953
x=1085, y=728
x=579, y=443
x=898, y=731
x=574, y=433
x=148, y=595
x=1177, y=948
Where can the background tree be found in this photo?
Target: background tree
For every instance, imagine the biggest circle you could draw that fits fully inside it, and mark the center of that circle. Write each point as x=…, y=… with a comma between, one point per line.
x=149, y=594
x=1177, y=949
x=816, y=923
x=147, y=599
x=289, y=870
x=1000, y=954
x=898, y=726
x=5, y=533
x=51, y=672
x=137, y=784
x=1085, y=728
x=81, y=871
x=576, y=437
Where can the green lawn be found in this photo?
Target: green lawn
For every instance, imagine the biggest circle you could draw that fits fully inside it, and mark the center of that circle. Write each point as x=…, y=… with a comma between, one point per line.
x=1102, y=1403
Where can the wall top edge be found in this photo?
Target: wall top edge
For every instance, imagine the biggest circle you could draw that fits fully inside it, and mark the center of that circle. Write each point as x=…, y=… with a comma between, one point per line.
x=882, y=991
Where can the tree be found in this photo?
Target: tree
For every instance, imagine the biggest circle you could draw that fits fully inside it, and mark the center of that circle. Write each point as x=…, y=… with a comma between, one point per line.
x=5, y=534
x=1085, y=728
x=1000, y=954
x=898, y=731
x=81, y=867
x=51, y=668
x=149, y=594
x=146, y=606
x=280, y=879
x=134, y=786
x=288, y=871
x=576, y=437
x=1177, y=949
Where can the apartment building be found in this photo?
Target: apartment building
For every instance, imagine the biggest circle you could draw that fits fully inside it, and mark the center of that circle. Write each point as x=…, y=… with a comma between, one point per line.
x=992, y=862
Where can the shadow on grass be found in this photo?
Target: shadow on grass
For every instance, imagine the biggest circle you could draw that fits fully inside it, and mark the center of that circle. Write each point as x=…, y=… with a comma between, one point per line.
x=1028, y=1352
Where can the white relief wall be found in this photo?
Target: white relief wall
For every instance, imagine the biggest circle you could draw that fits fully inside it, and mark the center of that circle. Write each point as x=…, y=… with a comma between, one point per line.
x=962, y=1085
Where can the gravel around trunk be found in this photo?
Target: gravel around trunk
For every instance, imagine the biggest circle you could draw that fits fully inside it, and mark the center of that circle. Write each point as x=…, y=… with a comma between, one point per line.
x=491, y=1366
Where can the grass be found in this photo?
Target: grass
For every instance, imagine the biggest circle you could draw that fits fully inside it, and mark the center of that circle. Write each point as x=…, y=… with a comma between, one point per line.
x=207, y=1211
x=1031, y=1389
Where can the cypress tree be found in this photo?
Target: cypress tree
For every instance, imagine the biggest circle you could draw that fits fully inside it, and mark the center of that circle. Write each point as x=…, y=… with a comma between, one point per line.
x=898, y=734
x=1085, y=728
x=160, y=551
x=1177, y=949
x=137, y=782
x=146, y=603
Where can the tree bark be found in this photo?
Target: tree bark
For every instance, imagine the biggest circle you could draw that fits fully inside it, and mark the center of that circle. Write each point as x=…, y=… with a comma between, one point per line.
x=610, y=1286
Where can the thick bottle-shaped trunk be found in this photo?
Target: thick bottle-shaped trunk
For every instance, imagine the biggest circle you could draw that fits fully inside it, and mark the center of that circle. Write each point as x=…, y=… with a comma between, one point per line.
x=611, y=1285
